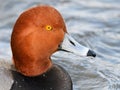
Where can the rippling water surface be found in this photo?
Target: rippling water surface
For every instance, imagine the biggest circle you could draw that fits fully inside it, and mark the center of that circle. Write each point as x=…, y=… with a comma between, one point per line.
x=94, y=23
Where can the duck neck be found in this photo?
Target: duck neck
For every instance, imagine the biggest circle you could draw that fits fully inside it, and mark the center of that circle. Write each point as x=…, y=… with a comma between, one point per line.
x=33, y=67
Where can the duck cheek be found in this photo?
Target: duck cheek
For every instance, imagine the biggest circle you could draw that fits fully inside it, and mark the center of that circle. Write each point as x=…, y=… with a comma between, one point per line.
x=60, y=36
x=58, y=40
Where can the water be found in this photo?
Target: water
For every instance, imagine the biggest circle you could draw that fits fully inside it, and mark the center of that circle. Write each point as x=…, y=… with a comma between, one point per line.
x=94, y=23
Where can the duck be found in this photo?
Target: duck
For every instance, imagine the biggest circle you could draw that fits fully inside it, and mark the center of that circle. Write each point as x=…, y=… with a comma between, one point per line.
x=38, y=33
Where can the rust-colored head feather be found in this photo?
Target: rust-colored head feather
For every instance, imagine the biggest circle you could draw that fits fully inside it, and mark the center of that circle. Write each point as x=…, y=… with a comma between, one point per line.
x=36, y=35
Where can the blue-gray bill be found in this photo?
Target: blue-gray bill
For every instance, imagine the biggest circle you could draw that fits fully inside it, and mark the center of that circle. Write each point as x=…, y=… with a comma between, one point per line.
x=72, y=46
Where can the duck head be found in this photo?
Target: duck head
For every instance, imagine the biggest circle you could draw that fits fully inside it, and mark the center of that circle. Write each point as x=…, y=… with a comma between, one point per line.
x=37, y=34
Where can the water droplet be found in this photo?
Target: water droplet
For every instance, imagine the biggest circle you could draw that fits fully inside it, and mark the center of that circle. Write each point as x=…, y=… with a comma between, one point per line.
x=20, y=86
x=51, y=88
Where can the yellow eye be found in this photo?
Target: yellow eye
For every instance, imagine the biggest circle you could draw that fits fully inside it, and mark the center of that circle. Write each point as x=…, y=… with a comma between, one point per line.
x=48, y=27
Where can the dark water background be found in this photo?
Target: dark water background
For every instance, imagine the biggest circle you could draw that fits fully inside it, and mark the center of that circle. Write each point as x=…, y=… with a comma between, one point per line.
x=94, y=23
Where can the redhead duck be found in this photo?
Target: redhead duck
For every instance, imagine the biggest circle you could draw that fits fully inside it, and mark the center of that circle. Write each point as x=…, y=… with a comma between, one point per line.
x=37, y=34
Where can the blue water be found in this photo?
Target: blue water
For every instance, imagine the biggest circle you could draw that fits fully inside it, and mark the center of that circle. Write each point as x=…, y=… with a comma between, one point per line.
x=93, y=23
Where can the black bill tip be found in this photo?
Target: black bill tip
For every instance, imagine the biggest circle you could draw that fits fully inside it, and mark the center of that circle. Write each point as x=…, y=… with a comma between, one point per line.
x=91, y=53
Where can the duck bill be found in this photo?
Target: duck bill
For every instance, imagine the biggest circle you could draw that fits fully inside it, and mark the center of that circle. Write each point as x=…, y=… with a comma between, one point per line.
x=72, y=46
